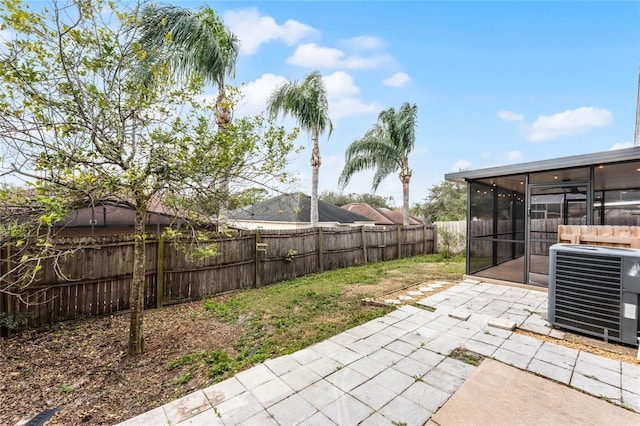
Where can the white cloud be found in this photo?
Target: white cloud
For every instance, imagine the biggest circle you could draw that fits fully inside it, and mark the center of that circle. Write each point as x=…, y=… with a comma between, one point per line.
x=510, y=116
x=349, y=107
x=257, y=92
x=567, y=123
x=514, y=155
x=461, y=165
x=363, y=43
x=340, y=84
x=310, y=55
x=399, y=79
x=254, y=29
x=343, y=102
x=621, y=145
x=341, y=92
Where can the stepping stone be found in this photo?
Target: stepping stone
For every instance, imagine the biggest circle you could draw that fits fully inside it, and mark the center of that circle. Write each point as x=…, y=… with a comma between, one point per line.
x=425, y=289
x=436, y=285
x=392, y=301
x=405, y=298
x=414, y=293
x=502, y=323
x=460, y=314
x=442, y=282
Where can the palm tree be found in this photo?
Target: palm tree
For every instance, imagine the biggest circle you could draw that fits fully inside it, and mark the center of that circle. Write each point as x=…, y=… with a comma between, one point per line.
x=385, y=147
x=193, y=43
x=306, y=102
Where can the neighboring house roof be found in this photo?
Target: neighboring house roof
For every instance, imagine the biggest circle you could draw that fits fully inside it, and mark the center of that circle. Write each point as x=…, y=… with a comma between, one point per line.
x=295, y=207
x=382, y=216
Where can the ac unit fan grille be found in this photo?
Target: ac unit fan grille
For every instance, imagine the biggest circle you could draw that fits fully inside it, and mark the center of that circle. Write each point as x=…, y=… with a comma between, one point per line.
x=588, y=292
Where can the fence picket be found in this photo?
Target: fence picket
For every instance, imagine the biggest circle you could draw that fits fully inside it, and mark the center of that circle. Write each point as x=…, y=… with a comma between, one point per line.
x=98, y=277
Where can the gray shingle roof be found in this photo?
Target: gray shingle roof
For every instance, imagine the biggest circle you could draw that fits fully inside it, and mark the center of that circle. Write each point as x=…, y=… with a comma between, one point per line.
x=295, y=207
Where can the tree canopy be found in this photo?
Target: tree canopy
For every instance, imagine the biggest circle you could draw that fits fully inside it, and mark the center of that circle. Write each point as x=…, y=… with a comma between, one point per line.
x=80, y=126
x=193, y=44
x=339, y=199
x=306, y=102
x=385, y=147
x=446, y=201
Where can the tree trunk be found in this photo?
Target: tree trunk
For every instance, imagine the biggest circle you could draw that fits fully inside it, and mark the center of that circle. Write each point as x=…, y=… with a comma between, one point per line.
x=315, y=171
x=136, y=334
x=405, y=203
x=405, y=177
x=223, y=118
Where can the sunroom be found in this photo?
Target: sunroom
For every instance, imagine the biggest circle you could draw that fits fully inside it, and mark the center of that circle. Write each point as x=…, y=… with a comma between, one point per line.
x=513, y=212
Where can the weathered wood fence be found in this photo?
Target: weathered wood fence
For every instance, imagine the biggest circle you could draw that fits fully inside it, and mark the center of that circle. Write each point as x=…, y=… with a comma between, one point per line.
x=98, y=276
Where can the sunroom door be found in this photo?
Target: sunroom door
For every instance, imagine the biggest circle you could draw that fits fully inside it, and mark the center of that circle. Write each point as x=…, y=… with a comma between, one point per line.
x=550, y=205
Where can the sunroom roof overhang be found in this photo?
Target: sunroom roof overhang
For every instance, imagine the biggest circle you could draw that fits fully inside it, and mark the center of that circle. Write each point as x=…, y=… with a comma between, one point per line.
x=563, y=169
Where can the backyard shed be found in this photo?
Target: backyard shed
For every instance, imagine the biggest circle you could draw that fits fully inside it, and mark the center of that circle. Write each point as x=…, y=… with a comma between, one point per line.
x=514, y=211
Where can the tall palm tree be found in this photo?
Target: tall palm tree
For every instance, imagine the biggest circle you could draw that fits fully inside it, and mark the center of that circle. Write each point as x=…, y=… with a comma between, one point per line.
x=193, y=43
x=385, y=147
x=306, y=102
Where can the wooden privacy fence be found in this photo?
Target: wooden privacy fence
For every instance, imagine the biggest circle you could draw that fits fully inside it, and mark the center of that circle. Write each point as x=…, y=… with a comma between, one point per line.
x=98, y=275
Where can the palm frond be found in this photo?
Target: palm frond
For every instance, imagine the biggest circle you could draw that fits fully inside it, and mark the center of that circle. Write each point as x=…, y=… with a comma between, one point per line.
x=385, y=147
x=305, y=101
x=189, y=42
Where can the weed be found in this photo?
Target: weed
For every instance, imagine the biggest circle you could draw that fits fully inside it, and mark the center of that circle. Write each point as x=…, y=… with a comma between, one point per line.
x=339, y=367
x=14, y=321
x=605, y=398
x=398, y=423
x=219, y=363
x=65, y=388
x=487, y=332
x=417, y=378
x=471, y=359
x=590, y=376
x=181, y=380
x=221, y=310
x=184, y=360
x=466, y=356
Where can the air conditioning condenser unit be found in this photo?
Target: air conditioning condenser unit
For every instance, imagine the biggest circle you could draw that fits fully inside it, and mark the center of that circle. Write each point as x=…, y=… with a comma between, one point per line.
x=595, y=290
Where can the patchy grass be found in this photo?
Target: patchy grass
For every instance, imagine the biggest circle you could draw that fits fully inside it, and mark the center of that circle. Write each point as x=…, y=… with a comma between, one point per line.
x=285, y=317
x=87, y=373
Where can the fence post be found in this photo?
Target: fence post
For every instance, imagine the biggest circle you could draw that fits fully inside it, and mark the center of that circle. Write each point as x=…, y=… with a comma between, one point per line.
x=257, y=262
x=424, y=237
x=399, y=232
x=364, y=244
x=160, y=272
x=320, y=250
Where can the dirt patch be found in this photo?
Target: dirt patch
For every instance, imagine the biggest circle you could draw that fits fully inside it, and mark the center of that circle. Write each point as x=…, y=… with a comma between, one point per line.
x=597, y=347
x=84, y=368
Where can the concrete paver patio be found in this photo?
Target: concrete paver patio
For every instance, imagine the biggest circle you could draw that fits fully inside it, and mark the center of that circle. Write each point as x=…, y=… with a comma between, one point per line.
x=397, y=368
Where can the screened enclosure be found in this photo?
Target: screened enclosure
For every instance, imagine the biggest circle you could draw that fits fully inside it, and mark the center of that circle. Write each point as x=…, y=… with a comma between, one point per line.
x=513, y=212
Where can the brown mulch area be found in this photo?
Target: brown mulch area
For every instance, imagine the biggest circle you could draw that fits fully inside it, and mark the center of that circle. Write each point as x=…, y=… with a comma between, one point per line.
x=84, y=368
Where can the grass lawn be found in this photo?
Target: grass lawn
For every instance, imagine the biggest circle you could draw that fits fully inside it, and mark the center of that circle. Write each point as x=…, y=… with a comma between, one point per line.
x=285, y=317
x=84, y=369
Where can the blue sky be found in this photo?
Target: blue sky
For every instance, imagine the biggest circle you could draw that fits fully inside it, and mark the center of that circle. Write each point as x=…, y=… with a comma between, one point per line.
x=495, y=82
